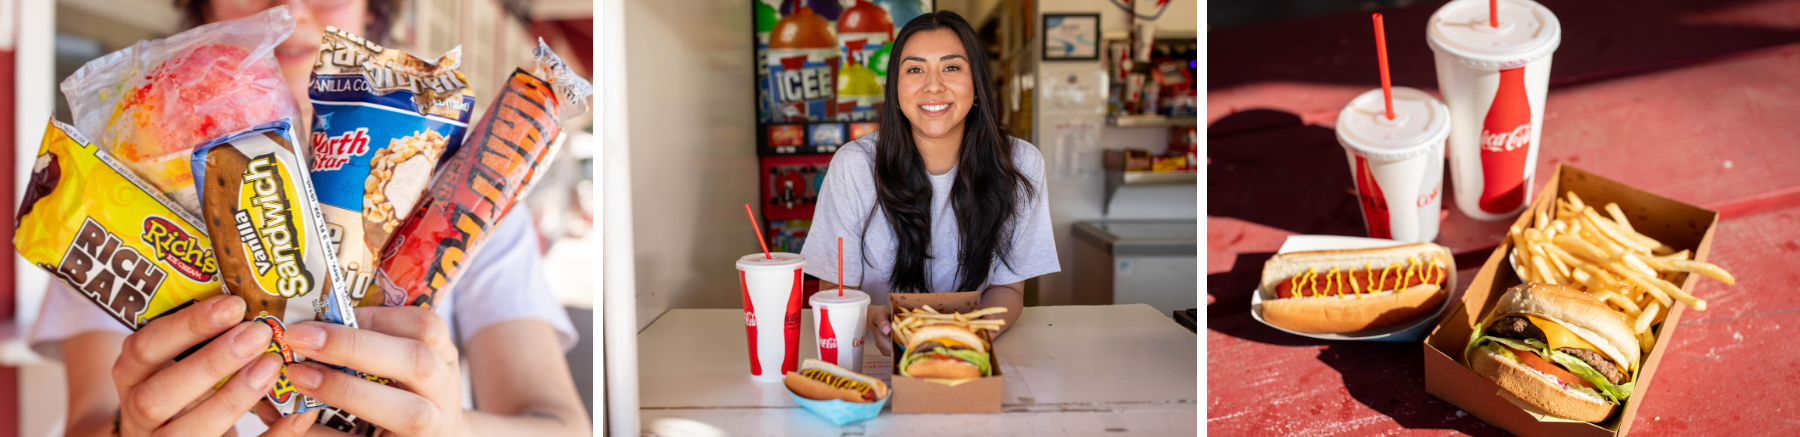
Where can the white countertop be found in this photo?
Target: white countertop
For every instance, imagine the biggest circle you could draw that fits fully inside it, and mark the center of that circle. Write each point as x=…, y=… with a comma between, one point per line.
x=1074, y=369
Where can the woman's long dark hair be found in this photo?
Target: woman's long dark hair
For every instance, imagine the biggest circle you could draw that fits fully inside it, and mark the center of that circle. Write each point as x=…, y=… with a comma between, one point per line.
x=988, y=187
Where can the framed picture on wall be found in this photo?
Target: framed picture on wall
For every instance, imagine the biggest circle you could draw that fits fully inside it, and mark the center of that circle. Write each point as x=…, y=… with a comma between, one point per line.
x=1071, y=37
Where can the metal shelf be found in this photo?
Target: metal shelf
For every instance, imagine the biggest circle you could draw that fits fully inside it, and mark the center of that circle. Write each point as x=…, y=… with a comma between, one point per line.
x=1151, y=121
x=1117, y=176
x=1137, y=178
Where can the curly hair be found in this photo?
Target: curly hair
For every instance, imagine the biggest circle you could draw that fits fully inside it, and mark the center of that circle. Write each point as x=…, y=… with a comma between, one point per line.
x=381, y=17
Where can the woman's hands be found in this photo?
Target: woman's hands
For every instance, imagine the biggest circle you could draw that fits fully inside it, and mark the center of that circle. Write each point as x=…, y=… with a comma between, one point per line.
x=178, y=400
x=409, y=345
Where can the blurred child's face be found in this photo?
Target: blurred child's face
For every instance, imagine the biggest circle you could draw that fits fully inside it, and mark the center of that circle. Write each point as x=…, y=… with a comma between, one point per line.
x=302, y=47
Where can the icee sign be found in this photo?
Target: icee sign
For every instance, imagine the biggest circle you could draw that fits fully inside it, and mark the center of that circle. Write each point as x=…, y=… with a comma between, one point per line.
x=804, y=85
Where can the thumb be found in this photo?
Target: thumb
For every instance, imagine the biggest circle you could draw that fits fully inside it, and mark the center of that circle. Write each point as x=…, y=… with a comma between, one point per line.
x=294, y=425
x=878, y=317
x=884, y=344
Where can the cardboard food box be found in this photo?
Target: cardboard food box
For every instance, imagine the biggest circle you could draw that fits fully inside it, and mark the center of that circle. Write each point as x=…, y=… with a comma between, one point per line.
x=916, y=395
x=1677, y=224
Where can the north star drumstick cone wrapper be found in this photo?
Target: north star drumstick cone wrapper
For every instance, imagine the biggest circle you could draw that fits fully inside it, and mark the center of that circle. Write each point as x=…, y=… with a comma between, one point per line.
x=475, y=187
x=381, y=121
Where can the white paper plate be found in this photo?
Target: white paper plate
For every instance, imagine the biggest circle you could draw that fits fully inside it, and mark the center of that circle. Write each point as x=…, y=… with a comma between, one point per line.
x=1408, y=331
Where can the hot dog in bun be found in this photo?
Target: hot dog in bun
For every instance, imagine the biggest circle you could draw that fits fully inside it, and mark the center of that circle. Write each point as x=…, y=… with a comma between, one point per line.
x=1339, y=291
x=1557, y=349
x=822, y=381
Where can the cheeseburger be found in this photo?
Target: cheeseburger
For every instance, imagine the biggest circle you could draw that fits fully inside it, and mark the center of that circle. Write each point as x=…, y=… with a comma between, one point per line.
x=948, y=352
x=1557, y=349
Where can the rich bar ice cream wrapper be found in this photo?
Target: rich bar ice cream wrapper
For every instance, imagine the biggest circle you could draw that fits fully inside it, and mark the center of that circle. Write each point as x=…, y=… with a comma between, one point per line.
x=110, y=236
x=382, y=119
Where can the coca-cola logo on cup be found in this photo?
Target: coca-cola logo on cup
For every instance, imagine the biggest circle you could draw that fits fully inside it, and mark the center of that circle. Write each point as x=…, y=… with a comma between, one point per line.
x=1506, y=141
x=1427, y=198
x=749, y=318
x=827, y=343
x=1376, y=203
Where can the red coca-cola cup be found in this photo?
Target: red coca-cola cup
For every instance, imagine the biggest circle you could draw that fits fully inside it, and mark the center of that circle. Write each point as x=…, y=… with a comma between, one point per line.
x=771, y=288
x=840, y=321
x=1493, y=72
x=1398, y=163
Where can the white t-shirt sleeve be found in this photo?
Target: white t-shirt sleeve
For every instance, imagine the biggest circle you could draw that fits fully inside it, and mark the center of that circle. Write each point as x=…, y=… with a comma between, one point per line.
x=505, y=281
x=1034, y=241
x=64, y=314
x=845, y=200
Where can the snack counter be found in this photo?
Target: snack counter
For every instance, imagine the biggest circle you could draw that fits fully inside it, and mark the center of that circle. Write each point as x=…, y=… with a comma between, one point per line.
x=1069, y=369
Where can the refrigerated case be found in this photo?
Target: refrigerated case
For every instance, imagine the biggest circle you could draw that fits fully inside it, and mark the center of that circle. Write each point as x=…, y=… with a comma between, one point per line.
x=1150, y=262
x=821, y=69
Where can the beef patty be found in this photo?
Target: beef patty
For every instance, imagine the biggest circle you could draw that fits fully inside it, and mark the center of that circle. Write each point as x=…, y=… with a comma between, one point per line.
x=1599, y=362
x=1515, y=327
x=1521, y=328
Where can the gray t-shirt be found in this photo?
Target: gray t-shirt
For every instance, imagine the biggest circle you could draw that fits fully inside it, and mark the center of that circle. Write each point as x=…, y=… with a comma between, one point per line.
x=847, y=201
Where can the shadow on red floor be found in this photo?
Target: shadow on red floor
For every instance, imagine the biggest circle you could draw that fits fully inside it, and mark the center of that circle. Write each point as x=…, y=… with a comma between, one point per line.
x=1268, y=168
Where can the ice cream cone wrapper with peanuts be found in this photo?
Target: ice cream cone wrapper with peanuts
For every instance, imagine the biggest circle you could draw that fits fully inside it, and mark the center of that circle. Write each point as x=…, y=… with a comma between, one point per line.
x=382, y=119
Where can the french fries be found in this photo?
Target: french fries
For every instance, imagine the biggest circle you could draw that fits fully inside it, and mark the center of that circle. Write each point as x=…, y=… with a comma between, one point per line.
x=1594, y=248
x=905, y=322
x=1644, y=319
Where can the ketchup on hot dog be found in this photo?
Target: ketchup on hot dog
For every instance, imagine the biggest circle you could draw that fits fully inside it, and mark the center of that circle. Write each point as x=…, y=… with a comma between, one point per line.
x=1369, y=279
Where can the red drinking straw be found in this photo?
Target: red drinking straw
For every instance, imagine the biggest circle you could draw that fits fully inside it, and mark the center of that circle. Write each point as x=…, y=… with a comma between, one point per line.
x=1494, y=14
x=759, y=234
x=840, y=266
x=1387, y=88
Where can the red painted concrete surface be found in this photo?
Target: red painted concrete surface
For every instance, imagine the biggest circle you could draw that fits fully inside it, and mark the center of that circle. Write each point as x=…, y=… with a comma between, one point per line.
x=1719, y=130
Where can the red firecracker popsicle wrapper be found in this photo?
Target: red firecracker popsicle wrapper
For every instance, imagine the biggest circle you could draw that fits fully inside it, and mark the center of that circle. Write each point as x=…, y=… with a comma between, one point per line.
x=480, y=181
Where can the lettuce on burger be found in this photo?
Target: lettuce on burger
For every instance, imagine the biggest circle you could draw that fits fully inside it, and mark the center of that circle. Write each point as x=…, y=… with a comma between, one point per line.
x=947, y=352
x=1559, y=350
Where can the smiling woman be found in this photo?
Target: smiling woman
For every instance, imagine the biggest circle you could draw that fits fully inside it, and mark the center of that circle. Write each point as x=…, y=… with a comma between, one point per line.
x=944, y=199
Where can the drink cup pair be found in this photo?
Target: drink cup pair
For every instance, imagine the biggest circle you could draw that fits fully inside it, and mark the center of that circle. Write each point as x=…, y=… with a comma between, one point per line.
x=771, y=286
x=1493, y=77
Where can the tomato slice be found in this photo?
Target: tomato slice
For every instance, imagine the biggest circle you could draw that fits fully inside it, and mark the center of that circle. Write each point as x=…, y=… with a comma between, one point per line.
x=1536, y=362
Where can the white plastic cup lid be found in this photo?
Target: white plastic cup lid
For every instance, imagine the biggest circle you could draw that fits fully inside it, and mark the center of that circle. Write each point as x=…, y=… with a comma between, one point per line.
x=830, y=297
x=1527, y=32
x=780, y=259
x=1420, y=121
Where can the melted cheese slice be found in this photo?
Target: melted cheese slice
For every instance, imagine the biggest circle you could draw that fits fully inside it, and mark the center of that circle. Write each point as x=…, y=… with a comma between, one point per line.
x=1559, y=337
x=948, y=343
